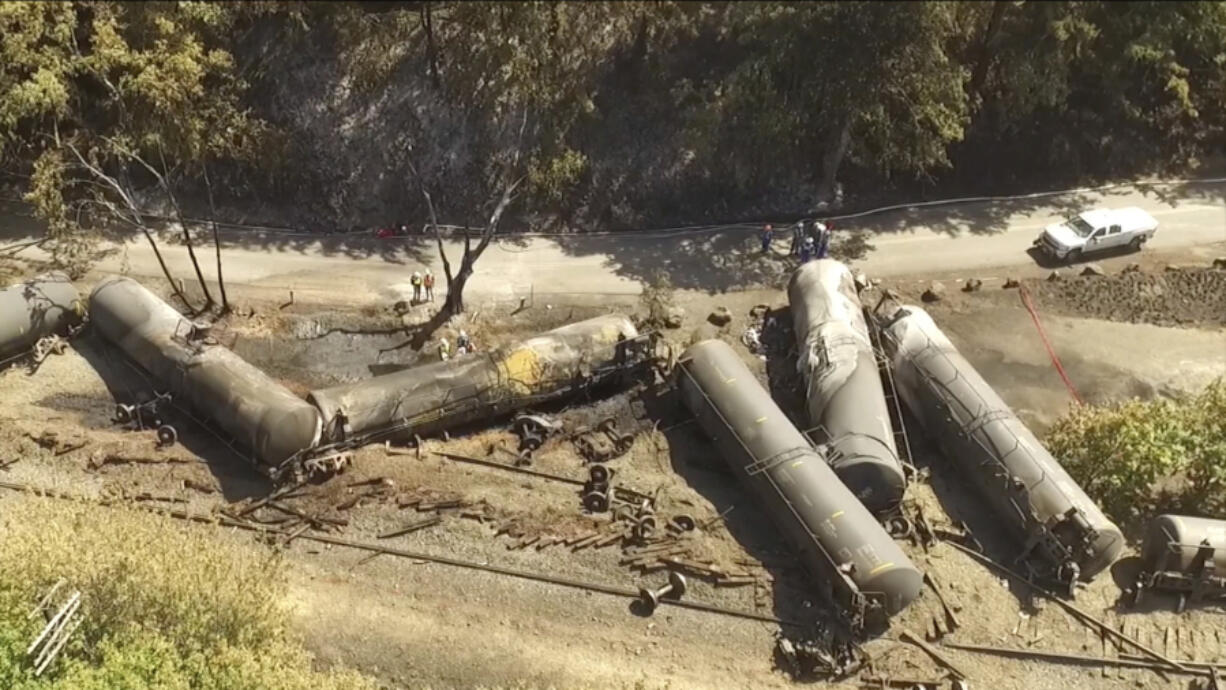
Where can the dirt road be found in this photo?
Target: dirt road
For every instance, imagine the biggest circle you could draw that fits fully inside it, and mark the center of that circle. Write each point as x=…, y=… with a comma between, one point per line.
x=961, y=239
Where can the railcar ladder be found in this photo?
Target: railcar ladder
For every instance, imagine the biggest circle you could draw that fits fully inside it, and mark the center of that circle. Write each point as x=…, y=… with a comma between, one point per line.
x=897, y=425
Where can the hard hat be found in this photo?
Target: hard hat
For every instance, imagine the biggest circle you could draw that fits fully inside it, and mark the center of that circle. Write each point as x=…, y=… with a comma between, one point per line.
x=463, y=334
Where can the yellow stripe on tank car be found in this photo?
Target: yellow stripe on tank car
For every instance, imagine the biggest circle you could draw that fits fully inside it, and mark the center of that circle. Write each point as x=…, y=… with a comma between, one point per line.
x=523, y=368
x=839, y=513
x=881, y=567
x=759, y=420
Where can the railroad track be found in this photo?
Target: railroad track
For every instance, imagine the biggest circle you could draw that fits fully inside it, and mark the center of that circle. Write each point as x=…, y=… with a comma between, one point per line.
x=222, y=521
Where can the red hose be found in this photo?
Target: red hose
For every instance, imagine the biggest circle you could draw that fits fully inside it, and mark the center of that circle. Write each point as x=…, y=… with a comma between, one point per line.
x=1021, y=290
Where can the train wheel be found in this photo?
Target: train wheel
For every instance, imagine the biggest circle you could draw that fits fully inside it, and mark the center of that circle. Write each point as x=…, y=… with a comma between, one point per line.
x=123, y=413
x=167, y=436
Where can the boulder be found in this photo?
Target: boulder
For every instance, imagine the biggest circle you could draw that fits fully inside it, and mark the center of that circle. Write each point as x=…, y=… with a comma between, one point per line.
x=1132, y=268
x=1093, y=270
x=1055, y=275
x=673, y=316
x=1219, y=262
x=720, y=317
x=401, y=308
x=972, y=284
x=934, y=293
x=1011, y=283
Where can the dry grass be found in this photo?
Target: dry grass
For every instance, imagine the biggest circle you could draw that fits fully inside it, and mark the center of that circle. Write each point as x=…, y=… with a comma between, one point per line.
x=164, y=604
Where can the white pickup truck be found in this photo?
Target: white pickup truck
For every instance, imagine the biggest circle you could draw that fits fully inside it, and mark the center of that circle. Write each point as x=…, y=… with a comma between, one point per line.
x=1095, y=231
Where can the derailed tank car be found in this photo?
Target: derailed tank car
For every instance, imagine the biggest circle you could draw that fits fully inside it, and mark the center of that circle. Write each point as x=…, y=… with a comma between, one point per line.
x=1035, y=497
x=429, y=398
x=1182, y=554
x=270, y=425
x=859, y=567
x=46, y=305
x=844, y=397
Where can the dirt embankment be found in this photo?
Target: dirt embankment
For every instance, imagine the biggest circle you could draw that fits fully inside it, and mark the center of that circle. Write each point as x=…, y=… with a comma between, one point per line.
x=1174, y=297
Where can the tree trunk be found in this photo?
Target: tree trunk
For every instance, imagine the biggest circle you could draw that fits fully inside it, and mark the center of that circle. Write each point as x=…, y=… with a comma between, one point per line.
x=836, y=149
x=174, y=285
x=427, y=21
x=221, y=283
x=455, y=291
x=984, y=59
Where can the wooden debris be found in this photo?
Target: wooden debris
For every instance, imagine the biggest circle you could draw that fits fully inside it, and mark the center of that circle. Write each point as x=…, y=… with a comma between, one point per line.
x=439, y=505
x=610, y=539
x=585, y=542
x=164, y=499
x=899, y=682
x=296, y=533
x=951, y=618
x=908, y=636
x=527, y=541
x=198, y=486
x=738, y=581
x=411, y=527
x=316, y=519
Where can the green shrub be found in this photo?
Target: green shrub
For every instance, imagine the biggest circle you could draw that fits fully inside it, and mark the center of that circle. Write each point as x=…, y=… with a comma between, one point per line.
x=164, y=605
x=1138, y=458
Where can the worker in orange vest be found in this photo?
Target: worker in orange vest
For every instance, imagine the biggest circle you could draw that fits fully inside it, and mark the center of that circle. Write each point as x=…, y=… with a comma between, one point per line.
x=428, y=282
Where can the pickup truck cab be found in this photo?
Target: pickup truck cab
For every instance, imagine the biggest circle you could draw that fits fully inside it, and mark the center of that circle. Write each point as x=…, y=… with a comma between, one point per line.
x=1095, y=231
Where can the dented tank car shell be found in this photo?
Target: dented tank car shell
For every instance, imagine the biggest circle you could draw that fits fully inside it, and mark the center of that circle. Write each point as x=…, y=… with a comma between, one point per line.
x=442, y=395
x=44, y=305
x=270, y=423
x=1039, y=502
x=844, y=396
x=859, y=567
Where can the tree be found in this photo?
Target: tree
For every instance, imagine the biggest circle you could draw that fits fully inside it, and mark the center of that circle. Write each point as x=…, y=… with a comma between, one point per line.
x=821, y=81
x=515, y=75
x=1141, y=458
x=91, y=92
x=1076, y=88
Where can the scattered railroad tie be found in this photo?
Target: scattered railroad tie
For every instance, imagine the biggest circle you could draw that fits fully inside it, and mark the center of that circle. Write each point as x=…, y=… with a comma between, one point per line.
x=524, y=542
x=276, y=495
x=296, y=533
x=198, y=486
x=736, y=581
x=908, y=636
x=899, y=682
x=429, y=506
x=590, y=540
x=411, y=527
x=1076, y=612
x=951, y=618
x=320, y=521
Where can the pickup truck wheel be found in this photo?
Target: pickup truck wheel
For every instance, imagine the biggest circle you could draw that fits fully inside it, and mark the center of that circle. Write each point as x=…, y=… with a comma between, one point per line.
x=1073, y=256
x=1136, y=243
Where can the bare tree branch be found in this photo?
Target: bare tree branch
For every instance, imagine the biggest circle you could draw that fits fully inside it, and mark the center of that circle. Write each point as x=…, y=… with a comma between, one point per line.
x=438, y=237
x=137, y=220
x=174, y=203
x=491, y=227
